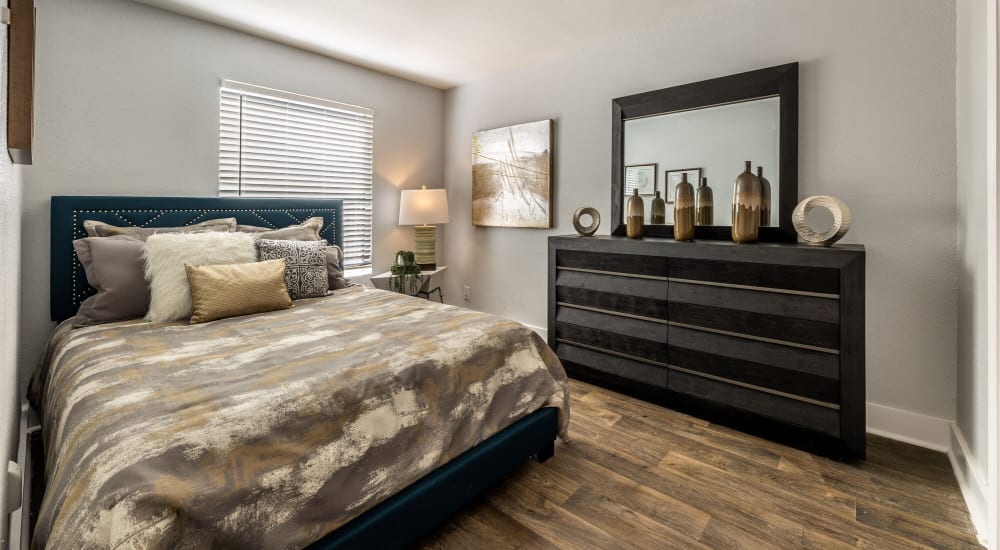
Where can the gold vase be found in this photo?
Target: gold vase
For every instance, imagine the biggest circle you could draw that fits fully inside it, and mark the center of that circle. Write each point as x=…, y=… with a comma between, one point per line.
x=634, y=219
x=658, y=210
x=704, y=210
x=746, y=207
x=765, y=198
x=684, y=210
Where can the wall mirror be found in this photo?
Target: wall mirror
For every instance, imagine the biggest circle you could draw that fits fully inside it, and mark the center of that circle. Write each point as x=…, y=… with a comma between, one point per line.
x=704, y=132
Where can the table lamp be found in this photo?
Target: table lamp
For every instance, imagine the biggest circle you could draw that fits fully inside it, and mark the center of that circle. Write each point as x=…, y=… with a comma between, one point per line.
x=422, y=208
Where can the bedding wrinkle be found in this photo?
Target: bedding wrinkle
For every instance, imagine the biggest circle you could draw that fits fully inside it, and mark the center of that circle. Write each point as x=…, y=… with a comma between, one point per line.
x=271, y=430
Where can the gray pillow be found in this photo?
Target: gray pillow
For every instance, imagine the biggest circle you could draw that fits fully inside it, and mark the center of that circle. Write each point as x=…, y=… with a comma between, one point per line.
x=334, y=271
x=100, y=229
x=305, y=231
x=305, y=265
x=114, y=267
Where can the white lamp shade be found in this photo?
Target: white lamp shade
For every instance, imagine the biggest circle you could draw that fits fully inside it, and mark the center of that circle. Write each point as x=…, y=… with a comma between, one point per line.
x=423, y=207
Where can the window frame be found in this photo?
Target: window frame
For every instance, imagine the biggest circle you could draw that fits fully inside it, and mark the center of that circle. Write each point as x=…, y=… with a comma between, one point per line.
x=244, y=89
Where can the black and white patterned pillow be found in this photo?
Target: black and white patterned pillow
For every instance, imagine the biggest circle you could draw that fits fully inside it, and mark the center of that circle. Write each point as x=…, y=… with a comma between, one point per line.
x=305, y=265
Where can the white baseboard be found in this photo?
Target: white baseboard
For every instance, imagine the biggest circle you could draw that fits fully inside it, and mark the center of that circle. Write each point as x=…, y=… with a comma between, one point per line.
x=544, y=333
x=909, y=427
x=970, y=481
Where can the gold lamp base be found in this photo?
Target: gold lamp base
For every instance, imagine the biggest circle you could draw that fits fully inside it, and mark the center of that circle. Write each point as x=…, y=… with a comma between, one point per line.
x=426, y=253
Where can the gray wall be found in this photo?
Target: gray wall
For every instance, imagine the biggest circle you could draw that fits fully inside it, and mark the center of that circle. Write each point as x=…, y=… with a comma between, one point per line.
x=127, y=104
x=877, y=128
x=973, y=337
x=10, y=260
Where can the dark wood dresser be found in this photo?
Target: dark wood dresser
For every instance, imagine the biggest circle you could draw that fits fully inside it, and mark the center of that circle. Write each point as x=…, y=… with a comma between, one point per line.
x=767, y=337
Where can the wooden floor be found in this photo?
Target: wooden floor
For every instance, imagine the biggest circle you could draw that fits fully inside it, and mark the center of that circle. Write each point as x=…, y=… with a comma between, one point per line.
x=641, y=476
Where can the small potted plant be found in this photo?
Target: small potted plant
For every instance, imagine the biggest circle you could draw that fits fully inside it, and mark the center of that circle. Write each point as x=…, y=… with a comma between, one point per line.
x=405, y=271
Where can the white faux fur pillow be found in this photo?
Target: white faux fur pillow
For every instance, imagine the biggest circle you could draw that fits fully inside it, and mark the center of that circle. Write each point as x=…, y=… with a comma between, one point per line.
x=165, y=255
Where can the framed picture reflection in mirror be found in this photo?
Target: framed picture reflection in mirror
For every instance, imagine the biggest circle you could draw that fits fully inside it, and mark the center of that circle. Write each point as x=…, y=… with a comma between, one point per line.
x=641, y=177
x=672, y=177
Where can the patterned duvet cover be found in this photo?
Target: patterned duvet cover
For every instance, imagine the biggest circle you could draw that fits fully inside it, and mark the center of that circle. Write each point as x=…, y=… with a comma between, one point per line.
x=271, y=430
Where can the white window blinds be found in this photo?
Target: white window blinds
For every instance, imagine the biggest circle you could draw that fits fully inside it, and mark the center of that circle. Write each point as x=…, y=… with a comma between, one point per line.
x=277, y=144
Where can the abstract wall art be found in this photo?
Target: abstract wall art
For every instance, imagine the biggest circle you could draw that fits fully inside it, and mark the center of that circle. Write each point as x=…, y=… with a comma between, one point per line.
x=512, y=176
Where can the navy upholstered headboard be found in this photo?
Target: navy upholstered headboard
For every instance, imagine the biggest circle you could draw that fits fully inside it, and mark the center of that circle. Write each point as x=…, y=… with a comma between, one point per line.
x=68, y=283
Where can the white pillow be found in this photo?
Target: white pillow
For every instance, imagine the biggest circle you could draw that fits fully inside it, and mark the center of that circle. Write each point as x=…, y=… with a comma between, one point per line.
x=165, y=255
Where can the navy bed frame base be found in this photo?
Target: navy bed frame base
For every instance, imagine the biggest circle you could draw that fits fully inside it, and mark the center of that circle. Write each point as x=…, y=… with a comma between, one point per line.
x=402, y=519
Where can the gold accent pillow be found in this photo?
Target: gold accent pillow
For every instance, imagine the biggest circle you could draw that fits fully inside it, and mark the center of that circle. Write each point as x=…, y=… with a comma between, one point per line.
x=231, y=290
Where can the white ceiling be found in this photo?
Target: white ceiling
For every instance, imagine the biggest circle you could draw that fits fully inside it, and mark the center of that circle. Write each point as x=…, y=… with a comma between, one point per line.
x=442, y=43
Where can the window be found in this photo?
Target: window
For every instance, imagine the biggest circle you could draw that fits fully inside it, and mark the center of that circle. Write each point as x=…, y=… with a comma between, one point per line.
x=278, y=144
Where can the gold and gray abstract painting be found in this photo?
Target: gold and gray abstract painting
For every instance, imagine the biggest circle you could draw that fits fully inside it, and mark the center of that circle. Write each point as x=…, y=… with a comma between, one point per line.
x=511, y=176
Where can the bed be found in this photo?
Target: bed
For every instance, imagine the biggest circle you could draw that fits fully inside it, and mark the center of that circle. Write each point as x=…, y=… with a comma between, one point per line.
x=358, y=420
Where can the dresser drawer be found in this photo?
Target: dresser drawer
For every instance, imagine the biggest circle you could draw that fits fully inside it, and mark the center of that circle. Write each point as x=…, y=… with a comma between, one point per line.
x=808, y=386
x=634, y=264
x=614, y=365
x=800, y=332
x=611, y=301
x=636, y=328
x=805, y=361
x=613, y=283
x=815, y=417
x=796, y=306
x=629, y=346
x=818, y=280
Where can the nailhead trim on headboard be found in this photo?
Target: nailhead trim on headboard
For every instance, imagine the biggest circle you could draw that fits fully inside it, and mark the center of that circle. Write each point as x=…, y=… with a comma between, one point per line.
x=80, y=209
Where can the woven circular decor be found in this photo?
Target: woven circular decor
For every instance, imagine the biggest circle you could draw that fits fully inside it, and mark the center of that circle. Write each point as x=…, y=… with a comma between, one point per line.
x=595, y=220
x=841, y=220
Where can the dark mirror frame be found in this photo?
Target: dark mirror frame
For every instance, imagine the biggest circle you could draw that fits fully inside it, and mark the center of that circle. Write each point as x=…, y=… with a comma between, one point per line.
x=781, y=81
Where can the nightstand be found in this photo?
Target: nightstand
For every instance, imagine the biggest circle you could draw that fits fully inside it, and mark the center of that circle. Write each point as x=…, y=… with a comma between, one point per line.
x=381, y=281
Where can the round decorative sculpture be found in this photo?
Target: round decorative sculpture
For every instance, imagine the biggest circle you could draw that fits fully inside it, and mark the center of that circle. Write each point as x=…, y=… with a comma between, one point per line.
x=841, y=220
x=595, y=220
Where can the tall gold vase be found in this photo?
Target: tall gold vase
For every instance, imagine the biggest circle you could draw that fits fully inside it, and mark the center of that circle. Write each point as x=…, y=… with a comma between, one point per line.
x=684, y=210
x=704, y=204
x=635, y=213
x=746, y=207
x=658, y=210
x=765, y=198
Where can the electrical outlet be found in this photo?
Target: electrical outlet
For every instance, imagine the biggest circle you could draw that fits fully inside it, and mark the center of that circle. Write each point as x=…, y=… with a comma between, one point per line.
x=467, y=293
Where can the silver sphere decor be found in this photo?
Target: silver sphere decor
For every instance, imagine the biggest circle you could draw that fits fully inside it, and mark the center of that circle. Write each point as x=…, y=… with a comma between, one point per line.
x=841, y=220
x=595, y=220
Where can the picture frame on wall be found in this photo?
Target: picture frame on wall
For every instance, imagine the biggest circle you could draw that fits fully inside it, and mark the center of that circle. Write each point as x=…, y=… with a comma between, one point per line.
x=641, y=177
x=512, y=176
x=672, y=177
x=20, y=80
